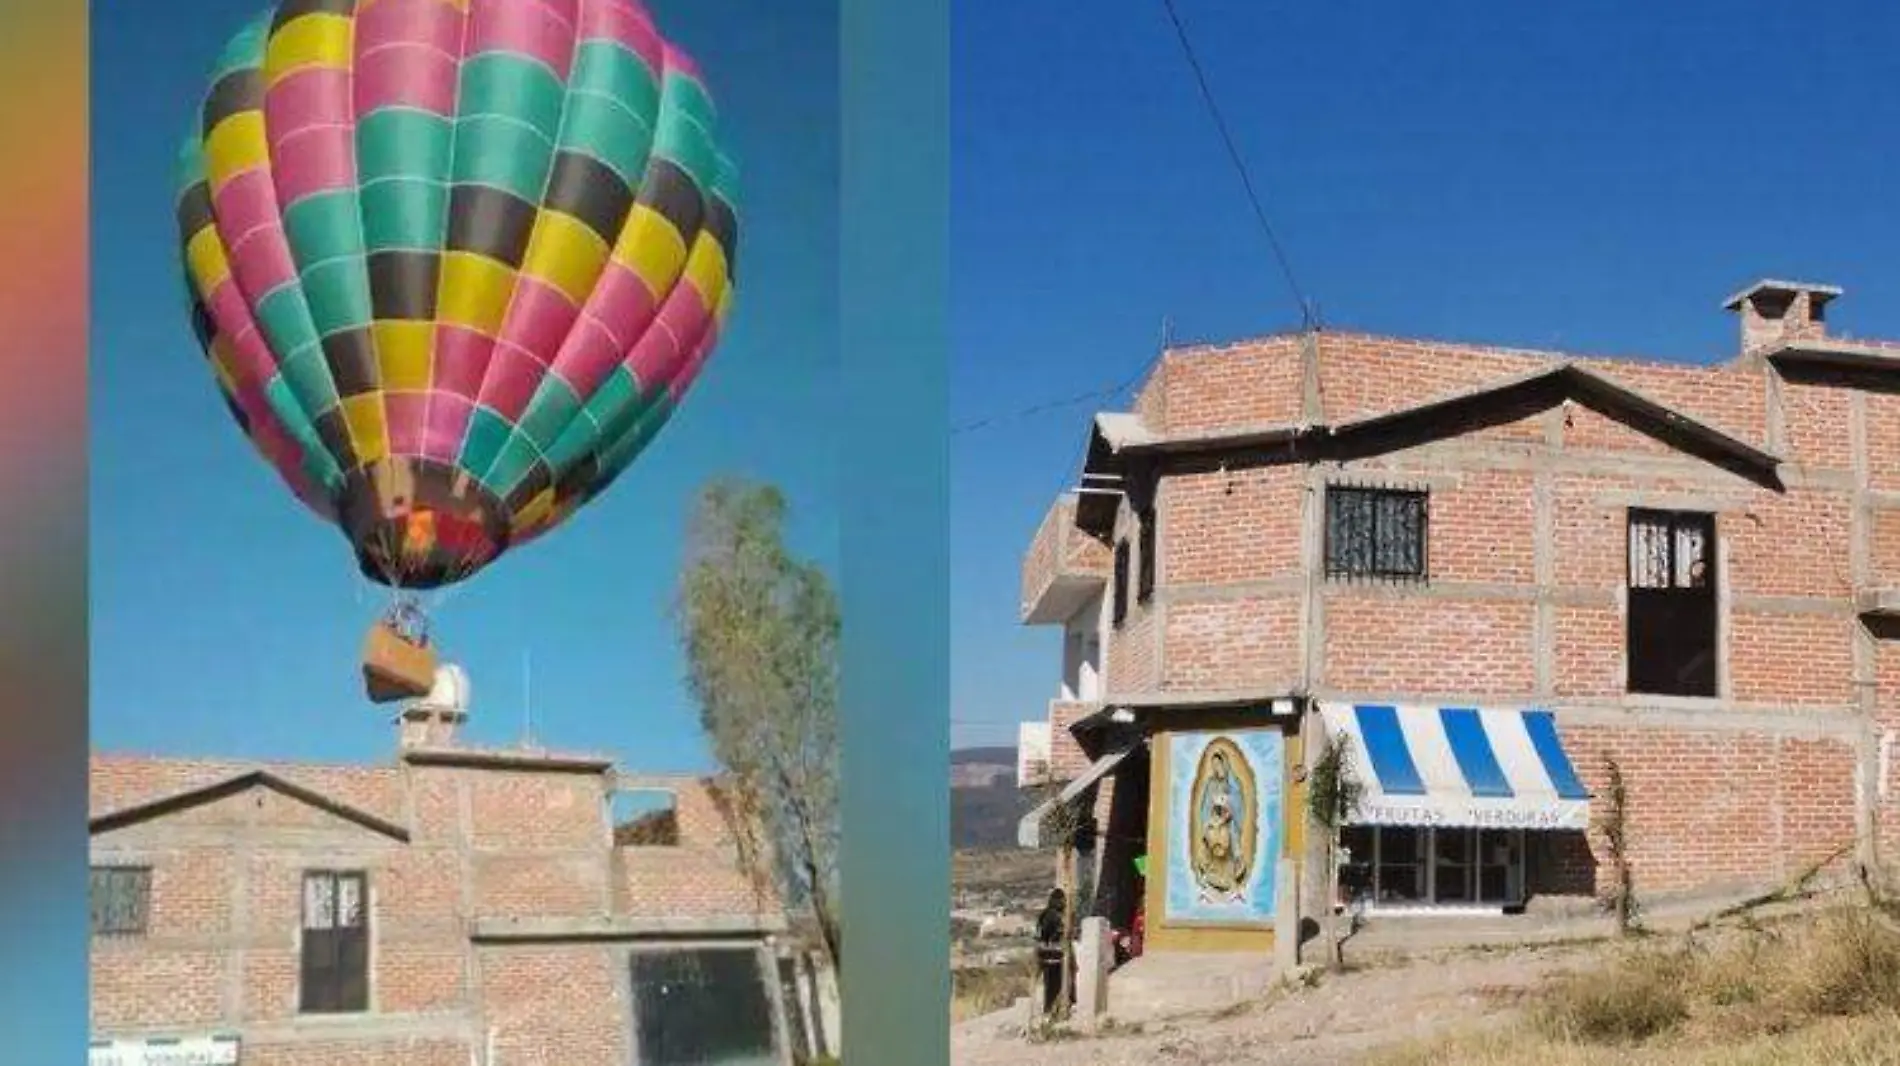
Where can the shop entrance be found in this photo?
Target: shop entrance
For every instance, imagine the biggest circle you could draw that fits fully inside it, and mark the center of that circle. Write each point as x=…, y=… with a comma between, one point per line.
x=703, y=1007
x=1399, y=868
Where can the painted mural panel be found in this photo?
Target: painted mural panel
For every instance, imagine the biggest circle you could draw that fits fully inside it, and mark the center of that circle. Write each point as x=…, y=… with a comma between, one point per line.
x=1224, y=826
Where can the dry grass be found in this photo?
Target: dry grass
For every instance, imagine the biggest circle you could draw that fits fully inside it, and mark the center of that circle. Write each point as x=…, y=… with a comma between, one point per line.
x=1638, y=997
x=1870, y=1040
x=978, y=991
x=1819, y=990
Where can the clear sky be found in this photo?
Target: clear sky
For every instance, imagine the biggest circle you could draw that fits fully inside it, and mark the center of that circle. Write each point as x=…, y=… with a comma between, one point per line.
x=1591, y=176
x=226, y=620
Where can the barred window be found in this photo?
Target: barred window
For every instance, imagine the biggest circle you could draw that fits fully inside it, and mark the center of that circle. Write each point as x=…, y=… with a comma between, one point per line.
x=1376, y=533
x=1669, y=550
x=1121, y=582
x=335, y=964
x=1145, y=585
x=121, y=900
x=1673, y=626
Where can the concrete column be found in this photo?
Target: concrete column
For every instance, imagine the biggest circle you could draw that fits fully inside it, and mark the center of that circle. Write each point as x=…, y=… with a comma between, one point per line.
x=1094, y=955
x=829, y=1018
x=1286, y=917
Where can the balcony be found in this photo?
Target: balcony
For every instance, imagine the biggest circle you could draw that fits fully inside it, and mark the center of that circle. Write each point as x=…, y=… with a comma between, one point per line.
x=1063, y=569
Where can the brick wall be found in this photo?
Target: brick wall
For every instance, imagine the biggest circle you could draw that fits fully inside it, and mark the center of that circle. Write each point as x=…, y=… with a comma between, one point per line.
x=1066, y=758
x=222, y=946
x=1525, y=602
x=1712, y=810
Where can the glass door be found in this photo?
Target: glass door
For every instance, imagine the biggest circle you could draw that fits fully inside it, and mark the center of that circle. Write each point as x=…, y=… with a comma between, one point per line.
x=1501, y=866
x=1454, y=861
x=1401, y=865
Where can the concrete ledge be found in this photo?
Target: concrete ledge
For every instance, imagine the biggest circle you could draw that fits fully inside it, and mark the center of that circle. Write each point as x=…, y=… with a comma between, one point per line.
x=358, y=1029
x=543, y=930
x=515, y=759
x=638, y=782
x=1883, y=602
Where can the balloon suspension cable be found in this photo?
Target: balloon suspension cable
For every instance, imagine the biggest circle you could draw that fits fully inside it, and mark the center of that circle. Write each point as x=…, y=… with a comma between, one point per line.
x=408, y=618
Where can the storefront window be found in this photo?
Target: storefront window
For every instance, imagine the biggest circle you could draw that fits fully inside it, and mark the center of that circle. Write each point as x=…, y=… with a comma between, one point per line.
x=1396, y=866
x=1401, y=865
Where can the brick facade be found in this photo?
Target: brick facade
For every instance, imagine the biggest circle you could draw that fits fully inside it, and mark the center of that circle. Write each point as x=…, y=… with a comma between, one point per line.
x=501, y=912
x=1532, y=461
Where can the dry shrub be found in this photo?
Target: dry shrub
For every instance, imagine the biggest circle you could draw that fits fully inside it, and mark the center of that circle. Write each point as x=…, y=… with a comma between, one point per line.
x=1849, y=964
x=977, y=991
x=1641, y=995
x=1845, y=961
x=1823, y=990
x=1731, y=974
x=1867, y=1041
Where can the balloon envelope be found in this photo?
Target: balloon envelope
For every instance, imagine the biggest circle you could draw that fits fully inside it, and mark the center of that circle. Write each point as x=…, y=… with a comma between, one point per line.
x=454, y=262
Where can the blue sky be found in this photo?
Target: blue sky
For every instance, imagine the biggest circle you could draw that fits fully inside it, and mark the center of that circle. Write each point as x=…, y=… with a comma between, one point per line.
x=1592, y=176
x=226, y=620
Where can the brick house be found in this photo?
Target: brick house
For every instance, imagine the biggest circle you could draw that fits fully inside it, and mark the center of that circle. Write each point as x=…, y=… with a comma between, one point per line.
x=458, y=906
x=1491, y=571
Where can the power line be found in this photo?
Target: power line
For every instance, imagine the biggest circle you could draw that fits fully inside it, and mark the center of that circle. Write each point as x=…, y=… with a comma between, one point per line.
x=1147, y=367
x=1040, y=408
x=1233, y=153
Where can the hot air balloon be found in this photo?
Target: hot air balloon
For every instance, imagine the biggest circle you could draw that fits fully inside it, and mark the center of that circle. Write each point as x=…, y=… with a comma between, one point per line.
x=454, y=262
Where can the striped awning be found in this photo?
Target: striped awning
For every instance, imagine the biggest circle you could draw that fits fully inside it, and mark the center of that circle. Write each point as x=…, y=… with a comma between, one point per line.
x=1459, y=766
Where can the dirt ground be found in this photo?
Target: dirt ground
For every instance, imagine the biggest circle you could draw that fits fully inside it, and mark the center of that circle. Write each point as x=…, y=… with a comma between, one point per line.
x=1340, y=1021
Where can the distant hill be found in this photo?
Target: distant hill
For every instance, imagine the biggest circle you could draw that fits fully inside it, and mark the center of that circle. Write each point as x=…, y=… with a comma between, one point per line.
x=985, y=804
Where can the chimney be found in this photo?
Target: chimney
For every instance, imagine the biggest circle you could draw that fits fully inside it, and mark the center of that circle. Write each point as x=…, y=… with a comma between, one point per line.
x=1778, y=312
x=435, y=721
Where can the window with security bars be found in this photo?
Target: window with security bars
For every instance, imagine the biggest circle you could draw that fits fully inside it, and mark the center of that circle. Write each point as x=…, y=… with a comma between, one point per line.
x=709, y=1005
x=1376, y=533
x=335, y=963
x=1121, y=582
x=1672, y=603
x=121, y=900
x=1145, y=583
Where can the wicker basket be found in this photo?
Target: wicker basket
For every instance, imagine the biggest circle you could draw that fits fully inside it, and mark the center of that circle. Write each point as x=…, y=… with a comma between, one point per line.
x=395, y=668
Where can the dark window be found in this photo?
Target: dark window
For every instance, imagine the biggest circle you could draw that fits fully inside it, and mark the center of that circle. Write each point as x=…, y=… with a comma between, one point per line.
x=1145, y=585
x=1672, y=603
x=335, y=942
x=121, y=900
x=1376, y=533
x=1121, y=581
x=702, y=1006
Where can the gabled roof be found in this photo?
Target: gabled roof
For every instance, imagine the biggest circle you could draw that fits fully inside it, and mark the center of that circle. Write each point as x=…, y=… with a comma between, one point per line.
x=1114, y=439
x=231, y=786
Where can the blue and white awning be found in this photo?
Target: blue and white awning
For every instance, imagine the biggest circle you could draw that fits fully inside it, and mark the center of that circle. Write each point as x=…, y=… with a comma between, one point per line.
x=1457, y=766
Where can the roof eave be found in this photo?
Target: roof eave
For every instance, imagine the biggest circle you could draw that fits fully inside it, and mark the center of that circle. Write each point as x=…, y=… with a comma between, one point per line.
x=177, y=801
x=1836, y=355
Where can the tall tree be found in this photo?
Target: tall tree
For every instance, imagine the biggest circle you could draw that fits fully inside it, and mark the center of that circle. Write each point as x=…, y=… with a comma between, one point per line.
x=761, y=629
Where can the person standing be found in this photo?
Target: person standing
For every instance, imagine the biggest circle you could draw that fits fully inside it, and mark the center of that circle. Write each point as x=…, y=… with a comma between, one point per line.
x=1051, y=934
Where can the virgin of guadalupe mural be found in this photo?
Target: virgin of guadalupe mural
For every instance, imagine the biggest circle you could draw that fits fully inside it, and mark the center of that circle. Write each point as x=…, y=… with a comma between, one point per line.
x=1223, y=827
x=1223, y=830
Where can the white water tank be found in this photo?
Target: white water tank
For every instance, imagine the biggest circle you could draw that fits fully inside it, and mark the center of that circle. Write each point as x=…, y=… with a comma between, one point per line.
x=450, y=691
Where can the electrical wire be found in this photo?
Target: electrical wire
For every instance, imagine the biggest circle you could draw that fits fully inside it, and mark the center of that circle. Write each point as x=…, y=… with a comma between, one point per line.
x=1240, y=166
x=1307, y=318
